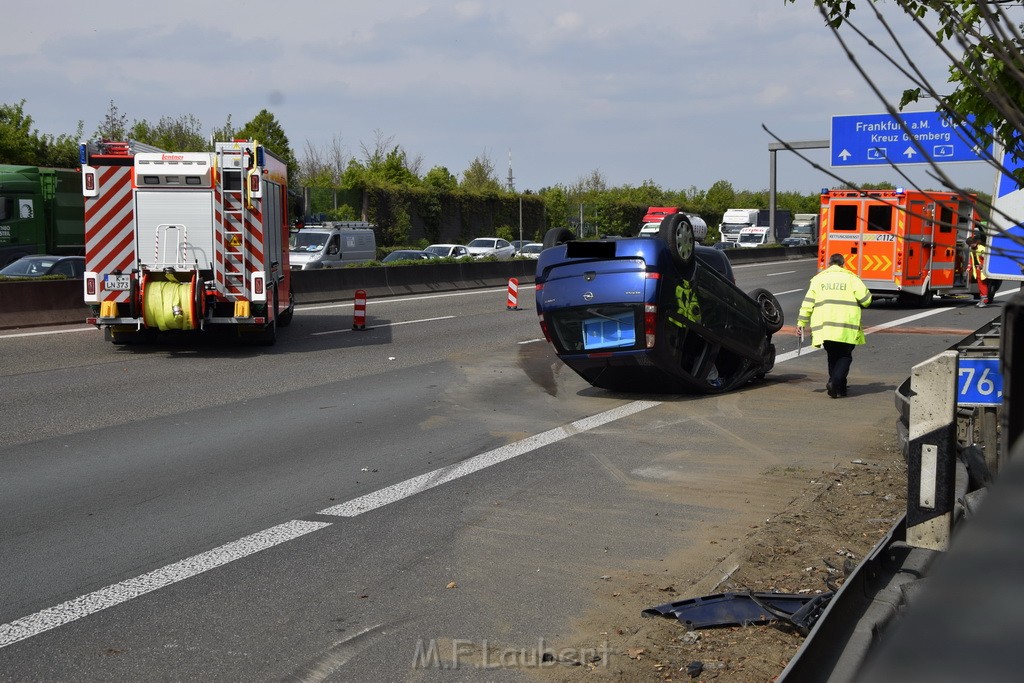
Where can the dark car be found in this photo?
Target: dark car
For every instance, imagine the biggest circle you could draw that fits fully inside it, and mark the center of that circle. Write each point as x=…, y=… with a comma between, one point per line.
x=40, y=265
x=662, y=314
x=407, y=255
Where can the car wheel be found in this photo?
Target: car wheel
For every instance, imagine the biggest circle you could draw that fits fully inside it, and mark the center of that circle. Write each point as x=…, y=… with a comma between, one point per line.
x=677, y=231
x=771, y=311
x=557, y=236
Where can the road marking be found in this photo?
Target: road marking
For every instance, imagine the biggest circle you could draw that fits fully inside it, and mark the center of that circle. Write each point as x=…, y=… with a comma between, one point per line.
x=393, y=300
x=784, y=272
x=37, y=334
x=119, y=593
x=443, y=475
x=116, y=594
x=374, y=327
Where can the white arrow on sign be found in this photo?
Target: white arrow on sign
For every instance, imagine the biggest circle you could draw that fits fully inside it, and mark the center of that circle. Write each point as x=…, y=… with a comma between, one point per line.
x=845, y=154
x=909, y=152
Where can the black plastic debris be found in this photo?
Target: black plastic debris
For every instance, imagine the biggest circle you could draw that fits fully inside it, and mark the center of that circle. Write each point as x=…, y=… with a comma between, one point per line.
x=740, y=609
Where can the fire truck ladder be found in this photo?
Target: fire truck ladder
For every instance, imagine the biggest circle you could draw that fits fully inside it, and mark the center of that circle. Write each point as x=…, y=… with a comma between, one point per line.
x=231, y=174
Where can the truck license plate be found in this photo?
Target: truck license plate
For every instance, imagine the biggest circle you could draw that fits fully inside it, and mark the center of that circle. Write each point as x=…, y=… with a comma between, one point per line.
x=117, y=282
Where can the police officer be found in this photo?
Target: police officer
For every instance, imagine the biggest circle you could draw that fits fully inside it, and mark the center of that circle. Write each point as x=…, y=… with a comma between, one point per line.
x=832, y=309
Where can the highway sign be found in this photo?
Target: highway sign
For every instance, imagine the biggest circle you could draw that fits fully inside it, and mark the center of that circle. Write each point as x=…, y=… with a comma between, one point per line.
x=1005, y=260
x=880, y=140
x=979, y=382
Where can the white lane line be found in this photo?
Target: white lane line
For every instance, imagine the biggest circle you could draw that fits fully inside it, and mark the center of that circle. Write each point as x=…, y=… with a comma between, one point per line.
x=784, y=272
x=529, y=341
x=83, y=606
x=42, y=332
x=394, y=300
x=374, y=327
x=52, y=617
x=443, y=475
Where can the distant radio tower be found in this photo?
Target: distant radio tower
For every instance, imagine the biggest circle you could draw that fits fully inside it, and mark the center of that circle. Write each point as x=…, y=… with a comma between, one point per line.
x=511, y=179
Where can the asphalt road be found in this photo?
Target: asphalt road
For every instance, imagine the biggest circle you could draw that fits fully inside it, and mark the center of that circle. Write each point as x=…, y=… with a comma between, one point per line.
x=383, y=505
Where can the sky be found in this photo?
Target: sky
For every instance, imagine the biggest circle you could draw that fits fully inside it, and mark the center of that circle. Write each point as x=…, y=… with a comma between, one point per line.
x=675, y=93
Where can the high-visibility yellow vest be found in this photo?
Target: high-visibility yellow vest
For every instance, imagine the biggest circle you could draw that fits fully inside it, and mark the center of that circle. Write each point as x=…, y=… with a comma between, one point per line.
x=832, y=305
x=978, y=262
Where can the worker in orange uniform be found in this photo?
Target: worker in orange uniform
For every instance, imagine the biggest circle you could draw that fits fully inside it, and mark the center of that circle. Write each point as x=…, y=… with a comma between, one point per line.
x=831, y=308
x=978, y=253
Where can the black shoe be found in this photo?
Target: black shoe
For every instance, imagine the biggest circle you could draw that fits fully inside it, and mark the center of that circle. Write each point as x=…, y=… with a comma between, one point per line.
x=832, y=393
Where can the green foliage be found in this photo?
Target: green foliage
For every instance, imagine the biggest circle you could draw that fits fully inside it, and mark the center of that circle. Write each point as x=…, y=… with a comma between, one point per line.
x=441, y=179
x=183, y=134
x=505, y=232
x=22, y=144
x=265, y=129
x=480, y=177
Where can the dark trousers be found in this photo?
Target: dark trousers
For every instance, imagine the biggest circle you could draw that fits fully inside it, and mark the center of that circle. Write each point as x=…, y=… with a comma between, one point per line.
x=840, y=356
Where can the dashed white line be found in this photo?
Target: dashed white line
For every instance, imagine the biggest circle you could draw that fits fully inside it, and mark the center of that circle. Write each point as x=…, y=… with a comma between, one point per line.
x=83, y=606
x=374, y=327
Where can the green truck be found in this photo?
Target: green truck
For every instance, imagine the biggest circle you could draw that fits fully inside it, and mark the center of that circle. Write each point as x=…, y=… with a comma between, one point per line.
x=41, y=212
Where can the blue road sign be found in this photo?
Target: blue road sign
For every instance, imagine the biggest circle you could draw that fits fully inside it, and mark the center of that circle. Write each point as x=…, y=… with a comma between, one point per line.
x=1005, y=260
x=979, y=382
x=879, y=139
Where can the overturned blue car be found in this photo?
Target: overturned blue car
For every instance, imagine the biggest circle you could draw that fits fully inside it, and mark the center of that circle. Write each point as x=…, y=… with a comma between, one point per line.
x=657, y=314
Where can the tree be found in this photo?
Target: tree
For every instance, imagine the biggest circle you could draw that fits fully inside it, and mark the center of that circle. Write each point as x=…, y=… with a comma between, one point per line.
x=441, y=179
x=264, y=129
x=183, y=134
x=18, y=142
x=22, y=144
x=480, y=176
x=986, y=69
x=114, y=125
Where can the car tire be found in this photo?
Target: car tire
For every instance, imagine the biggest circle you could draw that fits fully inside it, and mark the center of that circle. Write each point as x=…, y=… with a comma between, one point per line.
x=771, y=310
x=677, y=232
x=557, y=236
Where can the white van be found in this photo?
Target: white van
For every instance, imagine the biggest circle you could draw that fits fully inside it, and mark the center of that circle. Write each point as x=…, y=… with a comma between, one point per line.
x=753, y=237
x=332, y=245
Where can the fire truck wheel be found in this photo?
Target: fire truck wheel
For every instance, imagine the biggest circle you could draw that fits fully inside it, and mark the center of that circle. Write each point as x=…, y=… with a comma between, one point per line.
x=557, y=236
x=771, y=311
x=677, y=231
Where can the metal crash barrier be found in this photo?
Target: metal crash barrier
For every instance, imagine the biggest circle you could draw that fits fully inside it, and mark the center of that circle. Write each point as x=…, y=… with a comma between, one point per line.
x=940, y=598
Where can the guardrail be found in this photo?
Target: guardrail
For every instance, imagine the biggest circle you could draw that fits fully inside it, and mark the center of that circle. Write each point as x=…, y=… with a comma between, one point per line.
x=56, y=302
x=940, y=593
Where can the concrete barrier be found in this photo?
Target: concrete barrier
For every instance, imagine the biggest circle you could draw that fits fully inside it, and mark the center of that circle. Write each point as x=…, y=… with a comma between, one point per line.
x=57, y=302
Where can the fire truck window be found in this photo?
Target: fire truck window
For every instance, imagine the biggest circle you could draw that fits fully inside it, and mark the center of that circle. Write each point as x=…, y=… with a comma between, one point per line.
x=844, y=217
x=232, y=181
x=947, y=219
x=880, y=218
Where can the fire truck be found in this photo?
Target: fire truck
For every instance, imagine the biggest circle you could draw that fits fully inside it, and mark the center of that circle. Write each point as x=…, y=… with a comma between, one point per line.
x=903, y=244
x=185, y=242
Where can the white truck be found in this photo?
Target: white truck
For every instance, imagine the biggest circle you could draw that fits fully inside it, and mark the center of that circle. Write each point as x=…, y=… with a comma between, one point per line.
x=735, y=220
x=805, y=227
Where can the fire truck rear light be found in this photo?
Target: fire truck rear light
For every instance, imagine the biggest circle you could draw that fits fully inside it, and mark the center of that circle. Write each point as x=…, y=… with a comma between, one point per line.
x=260, y=320
x=257, y=285
x=90, y=286
x=650, y=324
x=90, y=181
x=254, y=182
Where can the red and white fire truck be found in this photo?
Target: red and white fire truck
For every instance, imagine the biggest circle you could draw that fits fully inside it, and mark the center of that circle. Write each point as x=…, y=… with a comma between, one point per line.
x=903, y=244
x=186, y=241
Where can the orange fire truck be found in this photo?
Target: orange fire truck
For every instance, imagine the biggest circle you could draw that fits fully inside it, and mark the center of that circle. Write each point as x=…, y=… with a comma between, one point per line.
x=186, y=241
x=903, y=244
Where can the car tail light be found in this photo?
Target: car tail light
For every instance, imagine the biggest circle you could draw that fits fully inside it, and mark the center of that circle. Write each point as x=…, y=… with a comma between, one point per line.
x=650, y=323
x=544, y=329
x=652, y=276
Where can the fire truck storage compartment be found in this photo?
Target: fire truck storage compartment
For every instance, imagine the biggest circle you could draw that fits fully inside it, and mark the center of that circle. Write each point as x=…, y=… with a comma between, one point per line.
x=175, y=228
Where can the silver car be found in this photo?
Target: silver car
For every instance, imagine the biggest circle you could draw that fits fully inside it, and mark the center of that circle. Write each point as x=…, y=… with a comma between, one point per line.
x=491, y=246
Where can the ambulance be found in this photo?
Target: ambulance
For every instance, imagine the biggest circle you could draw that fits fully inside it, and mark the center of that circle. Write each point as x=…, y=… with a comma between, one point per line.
x=903, y=244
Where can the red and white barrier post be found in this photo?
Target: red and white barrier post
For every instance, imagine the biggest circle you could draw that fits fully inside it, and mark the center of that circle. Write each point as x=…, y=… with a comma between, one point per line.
x=513, y=295
x=359, y=310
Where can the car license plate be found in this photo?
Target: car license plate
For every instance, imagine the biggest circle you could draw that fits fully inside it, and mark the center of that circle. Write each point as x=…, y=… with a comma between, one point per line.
x=117, y=282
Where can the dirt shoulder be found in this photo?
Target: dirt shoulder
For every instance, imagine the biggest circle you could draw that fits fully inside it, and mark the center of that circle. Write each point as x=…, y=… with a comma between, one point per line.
x=839, y=518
